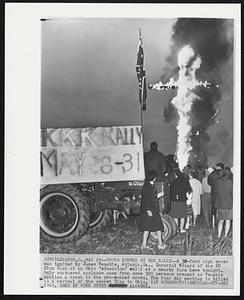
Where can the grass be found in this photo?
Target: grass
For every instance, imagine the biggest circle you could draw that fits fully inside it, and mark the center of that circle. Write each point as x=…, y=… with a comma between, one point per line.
x=125, y=238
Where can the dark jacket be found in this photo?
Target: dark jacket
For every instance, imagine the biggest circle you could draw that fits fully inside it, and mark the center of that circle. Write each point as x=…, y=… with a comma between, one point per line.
x=149, y=201
x=212, y=179
x=155, y=160
x=224, y=193
x=149, y=198
x=178, y=189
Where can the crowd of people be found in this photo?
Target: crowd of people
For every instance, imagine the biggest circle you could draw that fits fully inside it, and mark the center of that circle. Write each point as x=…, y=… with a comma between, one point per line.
x=188, y=195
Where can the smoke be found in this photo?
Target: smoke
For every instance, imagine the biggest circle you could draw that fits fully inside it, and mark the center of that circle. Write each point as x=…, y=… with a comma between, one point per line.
x=208, y=38
x=212, y=41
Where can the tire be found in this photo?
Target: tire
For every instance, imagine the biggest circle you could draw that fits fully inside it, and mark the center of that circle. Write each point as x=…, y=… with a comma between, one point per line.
x=64, y=214
x=100, y=220
x=170, y=228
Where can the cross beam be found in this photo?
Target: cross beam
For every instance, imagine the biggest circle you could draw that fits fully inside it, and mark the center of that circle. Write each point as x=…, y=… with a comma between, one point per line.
x=172, y=84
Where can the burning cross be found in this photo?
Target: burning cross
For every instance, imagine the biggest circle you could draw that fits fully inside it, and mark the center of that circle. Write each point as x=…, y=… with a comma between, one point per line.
x=188, y=63
x=172, y=84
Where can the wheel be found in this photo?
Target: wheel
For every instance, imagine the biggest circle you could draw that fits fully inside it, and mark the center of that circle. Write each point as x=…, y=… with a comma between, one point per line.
x=64, y=214
x=170, y=228
x=100, y=220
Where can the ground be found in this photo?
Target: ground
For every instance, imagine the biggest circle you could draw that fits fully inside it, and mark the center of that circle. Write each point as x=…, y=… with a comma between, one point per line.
x=125, y=238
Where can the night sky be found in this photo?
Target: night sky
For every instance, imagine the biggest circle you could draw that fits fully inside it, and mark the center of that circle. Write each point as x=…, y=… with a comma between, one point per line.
x=89, y=78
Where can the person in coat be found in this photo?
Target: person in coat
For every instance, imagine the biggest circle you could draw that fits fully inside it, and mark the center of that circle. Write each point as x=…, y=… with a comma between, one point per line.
x=212, y=179
x=180, y=188
x=155, y=160
x=224, y=201
x=149, y=218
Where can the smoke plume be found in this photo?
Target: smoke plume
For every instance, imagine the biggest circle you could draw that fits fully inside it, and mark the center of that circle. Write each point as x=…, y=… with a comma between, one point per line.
x=212, y=40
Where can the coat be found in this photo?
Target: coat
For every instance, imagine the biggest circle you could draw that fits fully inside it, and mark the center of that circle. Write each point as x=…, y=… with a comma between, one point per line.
x=178, y=189
x=155, y=160
x=224, y=193
x=149, y=201
x=212, y=179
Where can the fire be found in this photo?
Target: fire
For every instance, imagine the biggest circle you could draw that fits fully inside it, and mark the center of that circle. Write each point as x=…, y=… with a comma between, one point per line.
x=188, y=63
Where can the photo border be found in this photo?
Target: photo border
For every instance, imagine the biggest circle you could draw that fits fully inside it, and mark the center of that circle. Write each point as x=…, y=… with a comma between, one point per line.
x=22, y=107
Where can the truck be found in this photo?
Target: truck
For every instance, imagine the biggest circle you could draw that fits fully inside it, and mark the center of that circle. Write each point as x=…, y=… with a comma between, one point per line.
x=87, y=174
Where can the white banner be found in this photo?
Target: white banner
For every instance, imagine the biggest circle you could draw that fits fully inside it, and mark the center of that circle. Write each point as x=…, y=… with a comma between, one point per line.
x=91, y=155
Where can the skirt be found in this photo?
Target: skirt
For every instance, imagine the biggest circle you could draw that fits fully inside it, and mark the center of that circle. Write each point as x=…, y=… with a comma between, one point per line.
x=224, y=214
x=178, y=209
x=147, y=223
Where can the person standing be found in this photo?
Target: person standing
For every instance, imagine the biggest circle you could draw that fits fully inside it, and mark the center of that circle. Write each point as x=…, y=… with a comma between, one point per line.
x=179, y=189
x=149, y=219
x=200, y=174
x=196, y=196
x=224, y=201
x=189, y=220
x=155, y=160
x=206, y=198
x=229, y=173
x=163, y=187
x=212, y=179
x=171, y=166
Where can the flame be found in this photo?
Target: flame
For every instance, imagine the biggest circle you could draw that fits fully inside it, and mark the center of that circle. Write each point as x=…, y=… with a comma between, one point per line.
x=188, y=63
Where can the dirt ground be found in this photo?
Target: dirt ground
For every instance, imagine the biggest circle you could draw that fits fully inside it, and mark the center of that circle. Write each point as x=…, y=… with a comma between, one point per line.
x=125, y=238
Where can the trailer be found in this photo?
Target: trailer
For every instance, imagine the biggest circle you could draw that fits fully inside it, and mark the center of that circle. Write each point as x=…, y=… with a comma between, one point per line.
x=86, y=174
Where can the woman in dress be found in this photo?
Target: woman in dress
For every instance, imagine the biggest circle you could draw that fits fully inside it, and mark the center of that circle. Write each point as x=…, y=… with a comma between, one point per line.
x=149, y=218
x=179, y=189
